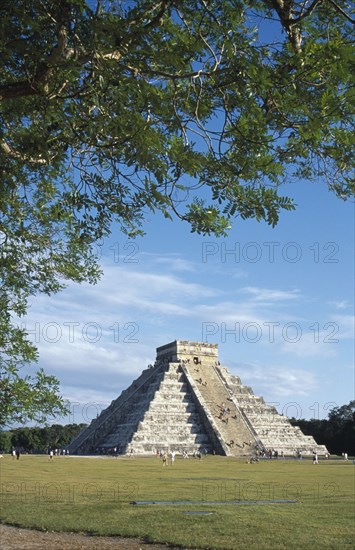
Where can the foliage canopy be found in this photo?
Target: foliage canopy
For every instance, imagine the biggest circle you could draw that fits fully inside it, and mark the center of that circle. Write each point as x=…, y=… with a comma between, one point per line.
x=197, y=109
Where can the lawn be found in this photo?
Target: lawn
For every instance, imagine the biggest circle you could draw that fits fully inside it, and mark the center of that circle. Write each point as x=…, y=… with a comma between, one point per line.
x=216, y=502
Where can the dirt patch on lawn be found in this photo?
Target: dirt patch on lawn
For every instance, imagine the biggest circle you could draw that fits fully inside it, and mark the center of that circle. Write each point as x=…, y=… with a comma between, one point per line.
x=26, y=539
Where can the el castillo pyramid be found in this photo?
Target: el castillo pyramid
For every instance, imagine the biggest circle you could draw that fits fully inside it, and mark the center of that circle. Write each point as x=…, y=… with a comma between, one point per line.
x=188, y=402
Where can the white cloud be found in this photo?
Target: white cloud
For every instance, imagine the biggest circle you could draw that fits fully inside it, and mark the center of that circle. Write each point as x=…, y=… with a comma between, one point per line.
x=176, y=264
x=278, y=380
x=258, y=294
x=322, y=339
x=340, y=304
x=345, y=325
x=318, y=343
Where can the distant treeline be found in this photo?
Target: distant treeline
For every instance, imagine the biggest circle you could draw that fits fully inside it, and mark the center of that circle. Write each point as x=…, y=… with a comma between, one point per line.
x=39, y=439
x=337, y=432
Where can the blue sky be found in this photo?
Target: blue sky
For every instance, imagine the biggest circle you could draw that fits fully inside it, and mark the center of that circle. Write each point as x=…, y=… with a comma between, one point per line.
x=278, y=302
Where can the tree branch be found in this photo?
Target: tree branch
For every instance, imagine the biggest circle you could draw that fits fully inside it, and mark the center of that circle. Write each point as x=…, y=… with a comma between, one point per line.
x=340, y=10
x=16, y=155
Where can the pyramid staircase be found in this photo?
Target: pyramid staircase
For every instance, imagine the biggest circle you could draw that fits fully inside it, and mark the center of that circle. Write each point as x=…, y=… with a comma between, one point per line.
x=188, y=402
x=230, y=427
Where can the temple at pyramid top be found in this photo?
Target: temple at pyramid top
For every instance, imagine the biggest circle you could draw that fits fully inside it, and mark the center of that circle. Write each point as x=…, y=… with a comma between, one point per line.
x=186, y=351
x=188, y=402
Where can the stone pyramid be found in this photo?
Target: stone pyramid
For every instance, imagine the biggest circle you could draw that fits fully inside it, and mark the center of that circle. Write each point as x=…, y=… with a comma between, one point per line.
x=188, y=402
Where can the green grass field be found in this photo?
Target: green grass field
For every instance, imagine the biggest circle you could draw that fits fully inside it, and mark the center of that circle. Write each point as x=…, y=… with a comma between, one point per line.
x=95, y=495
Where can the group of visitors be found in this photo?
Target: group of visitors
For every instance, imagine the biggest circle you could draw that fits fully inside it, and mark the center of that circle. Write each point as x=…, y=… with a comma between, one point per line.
x=224, y=411
x=56, y=452
x=164, y=456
